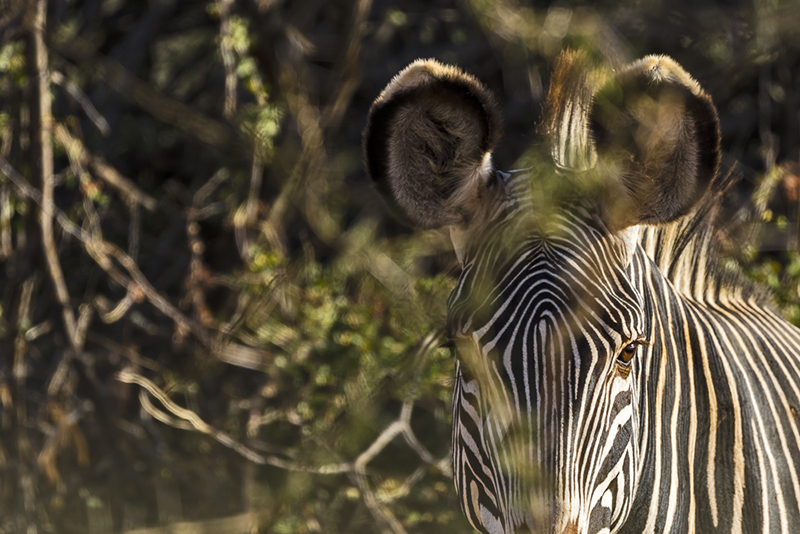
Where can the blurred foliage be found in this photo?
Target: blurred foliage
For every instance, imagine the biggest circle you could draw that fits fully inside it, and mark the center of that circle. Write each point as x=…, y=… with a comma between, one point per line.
x=248, y=342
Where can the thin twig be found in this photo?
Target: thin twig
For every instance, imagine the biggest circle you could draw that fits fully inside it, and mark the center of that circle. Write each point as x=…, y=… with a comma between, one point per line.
x=216, y=179
x=196, y=423
x=124, y=351
x=158, y=415
x=79, y=154
x=226, y=51
x=111, y=314
x=23, y=318
x=42, y=160
x=134, y=229
x=350, y=66
x=199, y=278
x=6, y=207
x=401, y=426
x=6, y=214
x=104, y=252
x=404, y=489
x=97, y=119
x=161, y=106
x=380, y=512
x=389, y=433
x=247, y=214
x=20, y=372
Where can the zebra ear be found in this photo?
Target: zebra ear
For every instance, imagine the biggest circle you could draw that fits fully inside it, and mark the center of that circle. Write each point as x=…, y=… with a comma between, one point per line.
x=656, y=131
x=428, y=143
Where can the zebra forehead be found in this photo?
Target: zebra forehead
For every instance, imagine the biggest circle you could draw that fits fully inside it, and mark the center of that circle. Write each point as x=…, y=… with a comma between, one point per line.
x=560, y=281
x=557, y=234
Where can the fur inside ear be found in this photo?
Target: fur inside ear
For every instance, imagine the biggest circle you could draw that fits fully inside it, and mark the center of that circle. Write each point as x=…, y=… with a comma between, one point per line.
x=428, y=143
x=657, y=138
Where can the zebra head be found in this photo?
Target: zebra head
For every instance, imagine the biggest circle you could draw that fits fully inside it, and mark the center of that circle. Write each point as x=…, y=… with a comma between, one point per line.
x=547, y=323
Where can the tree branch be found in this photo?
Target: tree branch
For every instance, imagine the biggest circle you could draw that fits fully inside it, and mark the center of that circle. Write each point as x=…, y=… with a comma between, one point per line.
x=42, y=156
x=103, y=252
x=130, y=191
x=226, y=51
x=164, y=108
x=97, y=119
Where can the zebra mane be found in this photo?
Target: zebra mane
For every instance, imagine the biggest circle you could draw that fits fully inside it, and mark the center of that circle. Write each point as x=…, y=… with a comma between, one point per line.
x=688, y=254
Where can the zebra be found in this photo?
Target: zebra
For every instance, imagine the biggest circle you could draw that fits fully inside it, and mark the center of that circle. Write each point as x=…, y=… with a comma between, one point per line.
x=612, y=373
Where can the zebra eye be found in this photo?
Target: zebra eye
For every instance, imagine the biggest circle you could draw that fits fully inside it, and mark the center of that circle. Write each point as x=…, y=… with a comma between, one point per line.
x=627, y=354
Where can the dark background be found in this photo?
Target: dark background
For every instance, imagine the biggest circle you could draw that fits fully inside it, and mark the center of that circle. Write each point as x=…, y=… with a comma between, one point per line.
x=207, y=317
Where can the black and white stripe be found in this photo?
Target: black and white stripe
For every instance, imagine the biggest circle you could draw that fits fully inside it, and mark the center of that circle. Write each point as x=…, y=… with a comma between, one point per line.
x=702, y=434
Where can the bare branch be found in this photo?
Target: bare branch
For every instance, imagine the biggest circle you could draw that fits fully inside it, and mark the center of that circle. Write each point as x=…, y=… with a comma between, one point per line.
x=191, y=421
x=162, y=107
x=42, y=157
x=111, y=314
x=246, y=215
x=6, y=207
x=20, y=372
x=389, y=433
x=134, y=229
x=6, y=213
x=350, y=64
x=243, y=356
x=226, y=51
x=158, y=415
x=124, y=351
x=404, y=489
x=103, y=252
x=381, y=513
x=77, y=152
x=97, y=119
x=199, y=277
x=23, y=318
x=202, y=194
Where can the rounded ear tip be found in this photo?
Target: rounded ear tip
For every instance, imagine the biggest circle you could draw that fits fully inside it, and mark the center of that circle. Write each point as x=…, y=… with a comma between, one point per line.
x=660, y=69
x=419, y=72
x=428, y=75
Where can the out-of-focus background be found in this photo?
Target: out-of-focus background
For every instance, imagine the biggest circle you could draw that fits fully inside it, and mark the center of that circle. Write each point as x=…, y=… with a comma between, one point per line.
x=208, y=322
